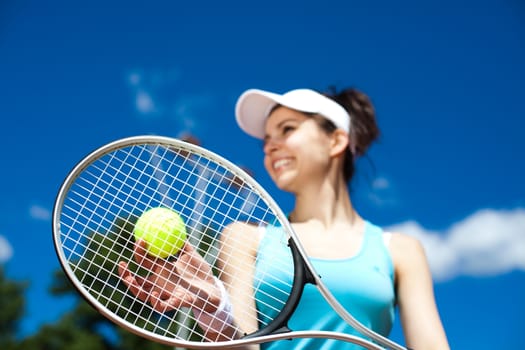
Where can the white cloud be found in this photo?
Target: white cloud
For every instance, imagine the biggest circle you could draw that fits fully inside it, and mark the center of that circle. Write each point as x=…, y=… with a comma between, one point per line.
x=6, y=251
x=134, y=78
x=39, y=213
x=144, y=102
x=382, y=193
x=188, y=110
x=489, y=242
x=381, y=183
x=155, y=95
x=143, y=93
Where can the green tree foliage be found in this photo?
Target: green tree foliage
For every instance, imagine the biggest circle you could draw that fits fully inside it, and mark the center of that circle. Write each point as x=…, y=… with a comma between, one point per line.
x=65, y=334
x=12, y=305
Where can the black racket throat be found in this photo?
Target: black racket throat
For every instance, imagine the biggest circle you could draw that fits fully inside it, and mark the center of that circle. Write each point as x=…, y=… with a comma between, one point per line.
x=302, y=276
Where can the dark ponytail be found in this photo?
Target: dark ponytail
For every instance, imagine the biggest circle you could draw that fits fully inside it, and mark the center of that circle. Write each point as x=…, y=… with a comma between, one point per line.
x=363, y=126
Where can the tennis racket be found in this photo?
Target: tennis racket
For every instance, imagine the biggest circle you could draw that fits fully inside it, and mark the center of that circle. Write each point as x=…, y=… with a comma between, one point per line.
x=104, y=194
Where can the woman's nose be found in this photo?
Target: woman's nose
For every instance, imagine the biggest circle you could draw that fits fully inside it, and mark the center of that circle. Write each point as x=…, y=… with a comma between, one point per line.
x=272, y=144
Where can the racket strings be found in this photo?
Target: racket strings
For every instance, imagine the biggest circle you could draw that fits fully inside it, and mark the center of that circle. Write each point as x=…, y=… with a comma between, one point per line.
x=103, y=204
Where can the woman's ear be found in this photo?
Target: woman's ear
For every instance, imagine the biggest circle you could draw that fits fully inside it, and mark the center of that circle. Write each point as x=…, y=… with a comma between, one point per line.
x=340, y=142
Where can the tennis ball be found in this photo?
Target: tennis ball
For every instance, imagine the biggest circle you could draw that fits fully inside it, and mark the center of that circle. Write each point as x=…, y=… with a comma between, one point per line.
x=163, y=230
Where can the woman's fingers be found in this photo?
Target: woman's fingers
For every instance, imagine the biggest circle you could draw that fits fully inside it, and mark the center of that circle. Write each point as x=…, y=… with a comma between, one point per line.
x=136, y=284
x=140, y=253
x=162, y=302
x=191, y=264
x=185, y=282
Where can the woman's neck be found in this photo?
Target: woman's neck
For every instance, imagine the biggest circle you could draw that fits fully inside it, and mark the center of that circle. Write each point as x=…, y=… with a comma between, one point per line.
x=328, y=202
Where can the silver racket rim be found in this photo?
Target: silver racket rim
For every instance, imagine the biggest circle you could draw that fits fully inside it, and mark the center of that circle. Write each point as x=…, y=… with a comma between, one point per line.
x=128, y=142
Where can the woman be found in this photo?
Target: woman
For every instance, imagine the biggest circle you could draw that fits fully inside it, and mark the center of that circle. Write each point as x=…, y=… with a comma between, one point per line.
x=310, y=145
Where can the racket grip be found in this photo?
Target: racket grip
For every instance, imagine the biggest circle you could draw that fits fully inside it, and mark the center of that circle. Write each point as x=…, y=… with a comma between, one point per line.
x=222, y=317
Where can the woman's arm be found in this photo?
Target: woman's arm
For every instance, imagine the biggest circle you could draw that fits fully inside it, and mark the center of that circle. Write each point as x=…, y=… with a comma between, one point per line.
x=240, y=237
x=422, y=325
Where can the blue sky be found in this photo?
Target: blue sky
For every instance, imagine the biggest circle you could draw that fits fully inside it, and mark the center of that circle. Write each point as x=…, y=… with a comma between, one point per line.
x=447, y=79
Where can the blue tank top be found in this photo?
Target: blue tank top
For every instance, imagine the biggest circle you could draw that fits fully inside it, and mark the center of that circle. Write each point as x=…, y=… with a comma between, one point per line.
x=363, y=284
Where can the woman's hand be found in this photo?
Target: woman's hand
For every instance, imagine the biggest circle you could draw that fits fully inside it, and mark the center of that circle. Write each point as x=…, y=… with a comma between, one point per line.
x=187, y=281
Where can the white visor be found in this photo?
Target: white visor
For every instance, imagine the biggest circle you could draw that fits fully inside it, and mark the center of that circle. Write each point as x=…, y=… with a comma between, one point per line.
x=253, y=107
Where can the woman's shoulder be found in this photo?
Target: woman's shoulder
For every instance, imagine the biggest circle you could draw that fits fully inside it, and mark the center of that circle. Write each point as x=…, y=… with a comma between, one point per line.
x=407, y=251
x=241, y=233
x=404, y=242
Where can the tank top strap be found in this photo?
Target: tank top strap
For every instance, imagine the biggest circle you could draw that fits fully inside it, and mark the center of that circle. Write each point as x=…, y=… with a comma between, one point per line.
x=376, y=249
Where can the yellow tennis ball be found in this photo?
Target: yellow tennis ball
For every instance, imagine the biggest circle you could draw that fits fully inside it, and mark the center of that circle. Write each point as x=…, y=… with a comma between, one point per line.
x=163, y=230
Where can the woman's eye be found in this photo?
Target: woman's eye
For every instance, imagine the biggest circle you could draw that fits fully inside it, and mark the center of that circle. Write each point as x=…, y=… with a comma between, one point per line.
x=287, y=129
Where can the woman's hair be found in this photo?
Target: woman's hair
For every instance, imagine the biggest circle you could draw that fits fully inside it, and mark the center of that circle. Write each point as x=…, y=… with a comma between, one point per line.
x=363, y=126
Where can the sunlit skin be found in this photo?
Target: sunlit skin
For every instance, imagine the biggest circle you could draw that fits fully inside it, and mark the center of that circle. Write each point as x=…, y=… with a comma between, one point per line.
x=287, y=156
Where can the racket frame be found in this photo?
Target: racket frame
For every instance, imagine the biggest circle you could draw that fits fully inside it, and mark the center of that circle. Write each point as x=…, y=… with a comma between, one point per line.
x=304, y=272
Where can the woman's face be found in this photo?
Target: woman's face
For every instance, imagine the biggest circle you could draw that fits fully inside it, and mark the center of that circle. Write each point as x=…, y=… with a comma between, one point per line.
x=296, y=150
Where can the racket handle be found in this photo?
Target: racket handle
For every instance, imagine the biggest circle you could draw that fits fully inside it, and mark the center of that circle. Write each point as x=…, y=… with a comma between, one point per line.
x=221, y=318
